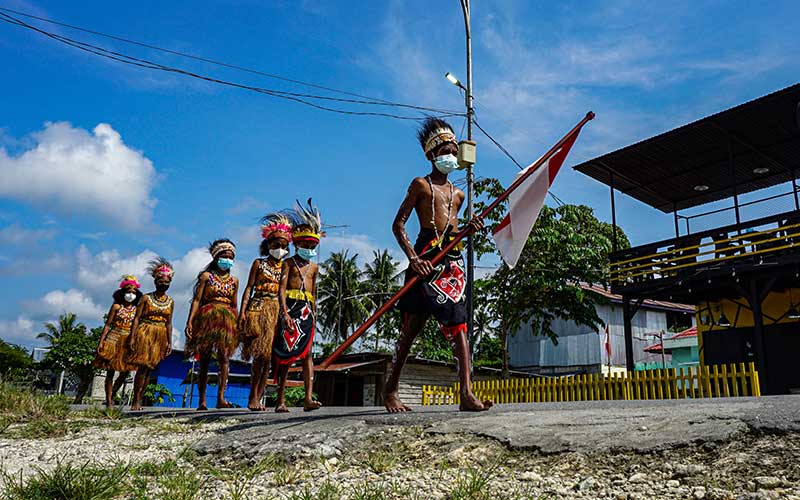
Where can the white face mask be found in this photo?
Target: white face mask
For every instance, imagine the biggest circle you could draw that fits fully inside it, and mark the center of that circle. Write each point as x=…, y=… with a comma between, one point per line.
x=130, y=297
x=446, y=163
x=278, y=253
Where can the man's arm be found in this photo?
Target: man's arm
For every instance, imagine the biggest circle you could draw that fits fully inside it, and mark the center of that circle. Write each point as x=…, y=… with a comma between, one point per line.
x=195, y=304
x=285, y=269
x=109, y=318
x=475, y=224
x=419, y=266
x=248, y=289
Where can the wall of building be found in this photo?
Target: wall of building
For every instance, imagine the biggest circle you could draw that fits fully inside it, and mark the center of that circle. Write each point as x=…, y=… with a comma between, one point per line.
x=581, y=348
x=736, y=343
x=173, y=370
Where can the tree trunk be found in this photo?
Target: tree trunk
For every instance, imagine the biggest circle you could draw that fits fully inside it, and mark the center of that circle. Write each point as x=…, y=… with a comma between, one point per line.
x=504, y=334
x=83, y=387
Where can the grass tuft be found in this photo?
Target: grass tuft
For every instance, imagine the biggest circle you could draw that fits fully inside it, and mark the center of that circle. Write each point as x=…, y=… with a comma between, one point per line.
x=473, y=485
x=381, y=461
x=67, y=482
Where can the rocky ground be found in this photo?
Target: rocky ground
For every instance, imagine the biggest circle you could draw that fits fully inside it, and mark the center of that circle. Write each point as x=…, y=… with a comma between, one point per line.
x=740, y=449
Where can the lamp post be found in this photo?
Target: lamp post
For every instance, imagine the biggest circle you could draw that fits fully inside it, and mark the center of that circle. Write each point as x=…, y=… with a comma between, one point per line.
x=470, y=177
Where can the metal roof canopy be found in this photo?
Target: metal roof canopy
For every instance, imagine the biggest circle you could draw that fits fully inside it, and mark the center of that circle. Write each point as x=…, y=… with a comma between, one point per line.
x=719, y=151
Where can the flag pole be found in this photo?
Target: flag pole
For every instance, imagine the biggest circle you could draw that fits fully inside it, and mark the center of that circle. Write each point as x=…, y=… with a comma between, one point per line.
x=458, y=237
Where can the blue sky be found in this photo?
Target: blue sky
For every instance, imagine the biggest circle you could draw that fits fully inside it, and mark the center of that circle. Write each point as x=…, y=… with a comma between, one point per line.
x=104, y=165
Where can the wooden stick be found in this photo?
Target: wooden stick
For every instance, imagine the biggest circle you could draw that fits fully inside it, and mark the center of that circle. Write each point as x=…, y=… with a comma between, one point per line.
x=458, y=237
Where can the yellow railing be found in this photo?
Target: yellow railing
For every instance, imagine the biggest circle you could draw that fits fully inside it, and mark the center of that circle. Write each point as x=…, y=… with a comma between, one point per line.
x=668, y=261
x=683, y=383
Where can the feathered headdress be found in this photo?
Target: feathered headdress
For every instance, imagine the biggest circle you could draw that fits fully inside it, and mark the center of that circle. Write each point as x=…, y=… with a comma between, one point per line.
x=434, y=132
x=276, y=225
x=307, y=223
x=219, y=246
x=159, y=267
x=129, y=279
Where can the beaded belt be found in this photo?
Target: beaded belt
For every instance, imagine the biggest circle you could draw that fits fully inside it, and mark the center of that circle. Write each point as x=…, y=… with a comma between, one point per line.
x=299, y=295
x=152, y=322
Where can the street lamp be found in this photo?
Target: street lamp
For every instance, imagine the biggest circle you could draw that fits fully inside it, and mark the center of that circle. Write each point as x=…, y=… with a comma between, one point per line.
x=452, y=79
x=467, y=153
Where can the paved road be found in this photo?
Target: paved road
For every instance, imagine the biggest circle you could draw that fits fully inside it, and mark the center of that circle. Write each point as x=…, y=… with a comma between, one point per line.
x=547, y=427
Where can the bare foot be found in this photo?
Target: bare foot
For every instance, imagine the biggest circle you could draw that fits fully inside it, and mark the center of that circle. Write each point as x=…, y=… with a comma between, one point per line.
x=137, y=408
x=224, y=404
x=394, y=405
x=202, y=407
x=281, y=409
x=311, y=405
x=470, y=403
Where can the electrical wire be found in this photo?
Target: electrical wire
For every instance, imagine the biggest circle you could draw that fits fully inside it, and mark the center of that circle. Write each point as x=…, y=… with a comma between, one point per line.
x=504, y=150
x=189, y=56
x=292, y=96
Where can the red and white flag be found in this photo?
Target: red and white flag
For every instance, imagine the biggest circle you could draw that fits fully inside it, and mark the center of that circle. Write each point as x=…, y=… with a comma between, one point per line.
x=525, y=203
x=608, y=345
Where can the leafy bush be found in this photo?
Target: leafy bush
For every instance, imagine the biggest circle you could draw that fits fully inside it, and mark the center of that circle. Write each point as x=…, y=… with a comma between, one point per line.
x=157, y=394
x=295, y=396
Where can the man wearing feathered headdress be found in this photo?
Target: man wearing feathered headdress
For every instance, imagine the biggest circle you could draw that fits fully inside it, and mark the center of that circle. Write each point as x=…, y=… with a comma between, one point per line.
x=260, y=310
x=297, y=294
x=151, y=331
x=441, y=293
x=113, y=347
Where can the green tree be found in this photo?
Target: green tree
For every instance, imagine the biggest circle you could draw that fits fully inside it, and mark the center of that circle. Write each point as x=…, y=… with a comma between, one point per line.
x=381, y=281
x=72, y=349
x=568, y=246
x=340, y=295
x=15, y=361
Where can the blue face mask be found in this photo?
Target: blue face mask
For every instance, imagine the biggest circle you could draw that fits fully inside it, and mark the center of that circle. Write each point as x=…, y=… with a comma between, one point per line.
x=225, y=264
x=446, y=163
x=306, y=253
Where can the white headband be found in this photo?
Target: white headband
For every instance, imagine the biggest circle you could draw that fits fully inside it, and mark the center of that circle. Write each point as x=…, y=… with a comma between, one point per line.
x=221, y=247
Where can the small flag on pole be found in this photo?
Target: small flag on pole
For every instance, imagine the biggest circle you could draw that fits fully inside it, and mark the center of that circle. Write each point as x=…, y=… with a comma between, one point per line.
x=525, y=203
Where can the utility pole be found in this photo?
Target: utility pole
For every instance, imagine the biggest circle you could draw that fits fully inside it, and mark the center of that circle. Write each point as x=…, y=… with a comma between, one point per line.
x=470, y=179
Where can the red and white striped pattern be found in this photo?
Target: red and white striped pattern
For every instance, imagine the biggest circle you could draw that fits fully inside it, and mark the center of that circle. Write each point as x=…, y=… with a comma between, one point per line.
x=525, y=203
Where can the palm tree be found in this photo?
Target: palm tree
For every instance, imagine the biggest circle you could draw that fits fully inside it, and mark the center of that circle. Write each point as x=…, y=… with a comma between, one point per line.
x=381, y=281
x=72, y=348
x=67, y=323
x=340, y=293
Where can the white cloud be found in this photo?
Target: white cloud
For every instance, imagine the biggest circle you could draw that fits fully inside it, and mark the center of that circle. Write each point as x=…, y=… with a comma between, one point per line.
x=79, y=172
x=58, y=302
x=18, y=235
x=360, y=244
x=18, y=331
x=248, y=204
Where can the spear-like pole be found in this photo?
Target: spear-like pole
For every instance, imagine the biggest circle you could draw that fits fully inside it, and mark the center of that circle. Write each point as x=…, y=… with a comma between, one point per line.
x=458, y=237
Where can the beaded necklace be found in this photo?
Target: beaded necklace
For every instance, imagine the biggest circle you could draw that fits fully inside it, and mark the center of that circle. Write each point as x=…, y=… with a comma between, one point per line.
x=160, y=305
x=433, y=206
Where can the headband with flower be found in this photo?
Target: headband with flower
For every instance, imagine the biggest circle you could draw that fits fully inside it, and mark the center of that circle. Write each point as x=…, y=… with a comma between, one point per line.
x=129, y=279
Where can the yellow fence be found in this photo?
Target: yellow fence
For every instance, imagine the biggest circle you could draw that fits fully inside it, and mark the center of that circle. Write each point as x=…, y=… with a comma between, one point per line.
x=694, y=382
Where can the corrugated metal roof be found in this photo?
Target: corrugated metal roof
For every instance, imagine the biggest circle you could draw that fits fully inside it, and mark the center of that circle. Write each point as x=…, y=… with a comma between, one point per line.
x=662, y=171
x=689, y=332
x=653, y=304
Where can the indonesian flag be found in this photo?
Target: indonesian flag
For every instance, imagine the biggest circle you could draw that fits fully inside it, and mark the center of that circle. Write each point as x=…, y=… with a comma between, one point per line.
x=608, y=345
x=526, y=202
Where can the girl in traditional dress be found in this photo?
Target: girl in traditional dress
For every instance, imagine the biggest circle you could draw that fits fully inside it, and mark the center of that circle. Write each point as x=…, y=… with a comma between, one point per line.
x=211, y=326
x=258, y=318
x=113, y=347
x=151, y=332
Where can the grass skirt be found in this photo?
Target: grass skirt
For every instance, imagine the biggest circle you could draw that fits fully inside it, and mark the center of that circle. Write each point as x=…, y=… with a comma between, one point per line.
x=214, y=330
x=260, y=322
x=113, y=352
x=149, y=346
